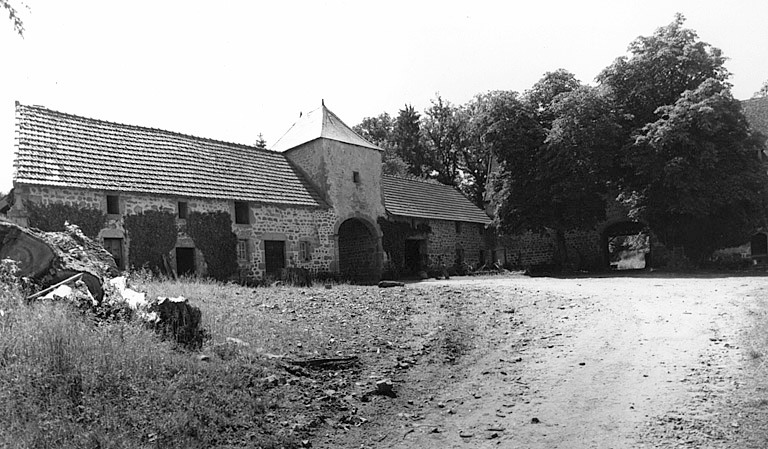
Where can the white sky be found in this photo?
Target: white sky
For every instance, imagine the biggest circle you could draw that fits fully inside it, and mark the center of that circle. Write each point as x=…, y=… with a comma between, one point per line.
x=231, y=70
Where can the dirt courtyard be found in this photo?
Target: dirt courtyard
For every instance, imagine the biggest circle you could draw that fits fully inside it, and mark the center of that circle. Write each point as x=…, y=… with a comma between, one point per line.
x=630, y=361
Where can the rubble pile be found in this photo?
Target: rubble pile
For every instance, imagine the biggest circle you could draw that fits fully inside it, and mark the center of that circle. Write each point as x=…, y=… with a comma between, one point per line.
x=68, y=266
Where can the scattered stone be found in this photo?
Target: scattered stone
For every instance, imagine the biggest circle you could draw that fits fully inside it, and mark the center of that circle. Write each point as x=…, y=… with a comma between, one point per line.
x=204, y=358
x=465, y=434
x=237, y=342
x=388, y=284
x=384, y=387
x=582, y=363
x=535, y=420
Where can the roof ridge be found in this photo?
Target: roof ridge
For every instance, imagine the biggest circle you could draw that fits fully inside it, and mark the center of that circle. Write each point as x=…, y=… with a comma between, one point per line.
x=144, y=128
x=325, y=108
x=427, y=181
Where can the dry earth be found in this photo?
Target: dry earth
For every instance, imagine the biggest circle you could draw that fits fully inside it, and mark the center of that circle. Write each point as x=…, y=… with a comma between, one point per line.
x=592, y=362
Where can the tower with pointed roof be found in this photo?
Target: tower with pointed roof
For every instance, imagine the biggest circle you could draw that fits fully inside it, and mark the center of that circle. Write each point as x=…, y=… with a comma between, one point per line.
x=345, y=170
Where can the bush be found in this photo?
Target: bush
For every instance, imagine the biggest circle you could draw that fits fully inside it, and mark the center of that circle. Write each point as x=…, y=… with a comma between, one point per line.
x=152, y=235
x=212, y=233
x=52, y=217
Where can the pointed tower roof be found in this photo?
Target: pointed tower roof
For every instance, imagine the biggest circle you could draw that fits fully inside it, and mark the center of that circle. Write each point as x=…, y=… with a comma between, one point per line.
x=320, y=123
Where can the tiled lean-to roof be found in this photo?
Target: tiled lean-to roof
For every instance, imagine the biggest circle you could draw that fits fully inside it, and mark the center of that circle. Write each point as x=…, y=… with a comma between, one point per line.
x=65, y=150
x=320, y=123
x=414, y=198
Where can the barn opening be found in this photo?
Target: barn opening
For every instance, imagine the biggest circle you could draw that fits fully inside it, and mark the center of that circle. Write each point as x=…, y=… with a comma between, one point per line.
x=357, y=252
x=758, y=245
x=274, y=256
x=185, y=261
x=627, y=246
x=415, y=250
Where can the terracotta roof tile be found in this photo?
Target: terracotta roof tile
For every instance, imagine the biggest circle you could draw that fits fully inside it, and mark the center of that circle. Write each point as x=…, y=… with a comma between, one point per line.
x=65, y=150
x=414, y=198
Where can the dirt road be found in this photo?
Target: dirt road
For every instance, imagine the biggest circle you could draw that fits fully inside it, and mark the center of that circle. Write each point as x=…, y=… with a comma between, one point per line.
x=601, y=362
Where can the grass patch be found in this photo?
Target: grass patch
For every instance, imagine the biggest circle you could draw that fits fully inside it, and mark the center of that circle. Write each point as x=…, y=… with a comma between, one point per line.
x=69, y=381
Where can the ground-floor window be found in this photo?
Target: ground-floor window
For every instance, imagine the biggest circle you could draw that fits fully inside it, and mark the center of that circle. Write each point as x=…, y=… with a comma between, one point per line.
x=242, y=251
x=305, y=251
x=274, y=256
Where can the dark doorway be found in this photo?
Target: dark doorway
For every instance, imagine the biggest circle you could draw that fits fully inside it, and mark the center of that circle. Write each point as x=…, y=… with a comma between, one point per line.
x=627, y=246
x=357, y=252
x=758, y=245
x=185, y=261
x=274, y=256
x=413, y=256
x=115, y=247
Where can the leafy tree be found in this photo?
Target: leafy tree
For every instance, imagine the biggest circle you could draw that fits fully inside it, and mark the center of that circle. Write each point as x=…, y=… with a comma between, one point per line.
x=688, y=166
x=13, y=15
x=703, y=188
x=763, y=92
x=444, y=130
x=378, y=131
x=543, y=94
x=407, y=141
x=557, y=180
x=661, y=67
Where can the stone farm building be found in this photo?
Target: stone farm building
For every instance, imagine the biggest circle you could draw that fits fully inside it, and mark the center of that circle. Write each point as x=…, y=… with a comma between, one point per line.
x=312, y=202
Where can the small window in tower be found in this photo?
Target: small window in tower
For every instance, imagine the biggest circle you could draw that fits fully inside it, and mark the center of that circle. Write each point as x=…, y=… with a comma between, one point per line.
x=356, y=177
x=183, y=210
x=241, y=212
x=113, y=204
x=458, y=227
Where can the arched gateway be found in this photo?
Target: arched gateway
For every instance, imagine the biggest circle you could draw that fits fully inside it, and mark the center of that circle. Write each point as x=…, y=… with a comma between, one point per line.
x=359, y=254
x=626, y=245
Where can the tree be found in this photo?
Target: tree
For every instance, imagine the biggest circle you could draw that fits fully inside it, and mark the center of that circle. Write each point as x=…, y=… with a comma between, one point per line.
x=763, y=92
x=13, y=15
x=407, y=141
x=557, y=181
x=444, y=130
x=661, y=67
x=379, y=131
x=260, y=143
x=688, y=166
x=704, y=188
x=543, y=94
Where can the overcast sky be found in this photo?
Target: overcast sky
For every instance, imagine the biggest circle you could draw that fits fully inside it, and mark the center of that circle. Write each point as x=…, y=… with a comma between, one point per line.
x=231, y=70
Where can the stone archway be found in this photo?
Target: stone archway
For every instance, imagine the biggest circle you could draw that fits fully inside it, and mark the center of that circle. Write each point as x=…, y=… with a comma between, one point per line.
x=626, y=245
x=359, y=254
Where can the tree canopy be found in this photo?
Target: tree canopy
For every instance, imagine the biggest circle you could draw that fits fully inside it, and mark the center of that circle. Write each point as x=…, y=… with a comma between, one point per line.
x=660, y=132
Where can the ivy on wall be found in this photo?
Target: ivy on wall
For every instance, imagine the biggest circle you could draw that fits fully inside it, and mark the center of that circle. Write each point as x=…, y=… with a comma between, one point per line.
x=51, y=217
x=212, y=233
x=395, y=233
x=152, y=235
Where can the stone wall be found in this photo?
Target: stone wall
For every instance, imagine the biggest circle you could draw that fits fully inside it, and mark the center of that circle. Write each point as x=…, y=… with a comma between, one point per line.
x=529, y=249
x=314, y=226
x=446, y=239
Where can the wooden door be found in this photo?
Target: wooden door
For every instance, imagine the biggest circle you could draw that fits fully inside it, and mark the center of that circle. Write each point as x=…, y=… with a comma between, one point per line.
x=274, y=256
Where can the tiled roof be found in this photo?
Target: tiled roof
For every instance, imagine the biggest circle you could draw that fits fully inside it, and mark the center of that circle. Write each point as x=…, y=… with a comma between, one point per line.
x=58, y=149
x=318, y=123
x=414, y=198
x=756, y=112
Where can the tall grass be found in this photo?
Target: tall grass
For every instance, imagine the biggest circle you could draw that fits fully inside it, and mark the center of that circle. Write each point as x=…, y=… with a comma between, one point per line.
x=69, y=381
